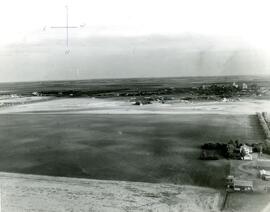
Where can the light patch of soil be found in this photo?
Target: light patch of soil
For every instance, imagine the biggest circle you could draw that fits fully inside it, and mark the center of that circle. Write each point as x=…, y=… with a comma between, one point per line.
x=112, y=106
x=20, y=192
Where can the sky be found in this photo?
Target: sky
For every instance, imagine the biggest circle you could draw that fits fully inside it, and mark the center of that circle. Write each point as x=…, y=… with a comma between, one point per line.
x=133, y=38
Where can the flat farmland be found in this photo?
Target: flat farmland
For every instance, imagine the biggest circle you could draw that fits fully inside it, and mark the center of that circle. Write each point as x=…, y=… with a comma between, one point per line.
x=145, y=148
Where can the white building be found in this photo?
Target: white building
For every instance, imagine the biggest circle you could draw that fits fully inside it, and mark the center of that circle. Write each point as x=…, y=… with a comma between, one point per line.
x=235, y=85
x=246, y=151
x=244, y=86
x=265, y=175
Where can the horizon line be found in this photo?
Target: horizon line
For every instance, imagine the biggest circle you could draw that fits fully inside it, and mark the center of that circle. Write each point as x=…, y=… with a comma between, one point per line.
x=125, y=78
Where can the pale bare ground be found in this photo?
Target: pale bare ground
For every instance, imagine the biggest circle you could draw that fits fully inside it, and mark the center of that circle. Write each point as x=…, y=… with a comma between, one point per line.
x=111, y=106
x=266, y=208
x=248, y=202
x=16, y=100
x=21, y=192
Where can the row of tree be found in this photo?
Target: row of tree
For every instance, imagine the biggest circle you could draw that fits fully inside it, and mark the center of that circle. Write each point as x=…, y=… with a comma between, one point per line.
x=231, y=150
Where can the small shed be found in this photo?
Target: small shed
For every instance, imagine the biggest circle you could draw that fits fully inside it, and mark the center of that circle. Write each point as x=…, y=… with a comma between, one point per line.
x=265, y=175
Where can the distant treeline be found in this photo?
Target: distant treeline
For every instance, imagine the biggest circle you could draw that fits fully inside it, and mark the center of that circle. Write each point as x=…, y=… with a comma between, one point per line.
x=213, y=91
x=218, y=90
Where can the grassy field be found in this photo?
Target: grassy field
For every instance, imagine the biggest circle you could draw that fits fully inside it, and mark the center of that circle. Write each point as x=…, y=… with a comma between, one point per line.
x=147, y=148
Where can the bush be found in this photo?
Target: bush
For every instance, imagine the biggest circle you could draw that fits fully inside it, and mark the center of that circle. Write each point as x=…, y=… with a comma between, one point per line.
x=208, y=156
x=230, y=150
x=264, y=125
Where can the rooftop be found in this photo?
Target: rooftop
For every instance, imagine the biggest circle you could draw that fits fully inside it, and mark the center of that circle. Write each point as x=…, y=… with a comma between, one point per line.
x=244, y=183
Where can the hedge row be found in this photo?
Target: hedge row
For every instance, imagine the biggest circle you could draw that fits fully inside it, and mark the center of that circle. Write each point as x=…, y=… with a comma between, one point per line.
x=264, y=125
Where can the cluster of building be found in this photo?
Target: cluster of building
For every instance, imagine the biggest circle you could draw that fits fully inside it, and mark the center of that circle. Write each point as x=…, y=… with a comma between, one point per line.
x=242, y=86
x=263, y=167
x=239, y=184
x=239, y=86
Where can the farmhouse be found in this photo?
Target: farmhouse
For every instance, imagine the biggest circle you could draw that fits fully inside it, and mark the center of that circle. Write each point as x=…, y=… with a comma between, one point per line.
x=247, y=149
x=246, y=152
x=244, y=86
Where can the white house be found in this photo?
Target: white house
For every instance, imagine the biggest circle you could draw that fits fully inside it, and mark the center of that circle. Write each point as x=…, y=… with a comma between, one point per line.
x=244, y=86
x=246, y=151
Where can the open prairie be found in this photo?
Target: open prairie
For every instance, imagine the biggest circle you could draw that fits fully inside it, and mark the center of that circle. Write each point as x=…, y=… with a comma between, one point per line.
x=146, y=148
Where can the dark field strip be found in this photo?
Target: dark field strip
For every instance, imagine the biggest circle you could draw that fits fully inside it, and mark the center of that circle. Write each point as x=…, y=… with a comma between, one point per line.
x=147, y=148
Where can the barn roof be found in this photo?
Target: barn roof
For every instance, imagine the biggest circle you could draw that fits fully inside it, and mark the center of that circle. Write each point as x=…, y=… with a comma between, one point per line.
x=244, y=183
